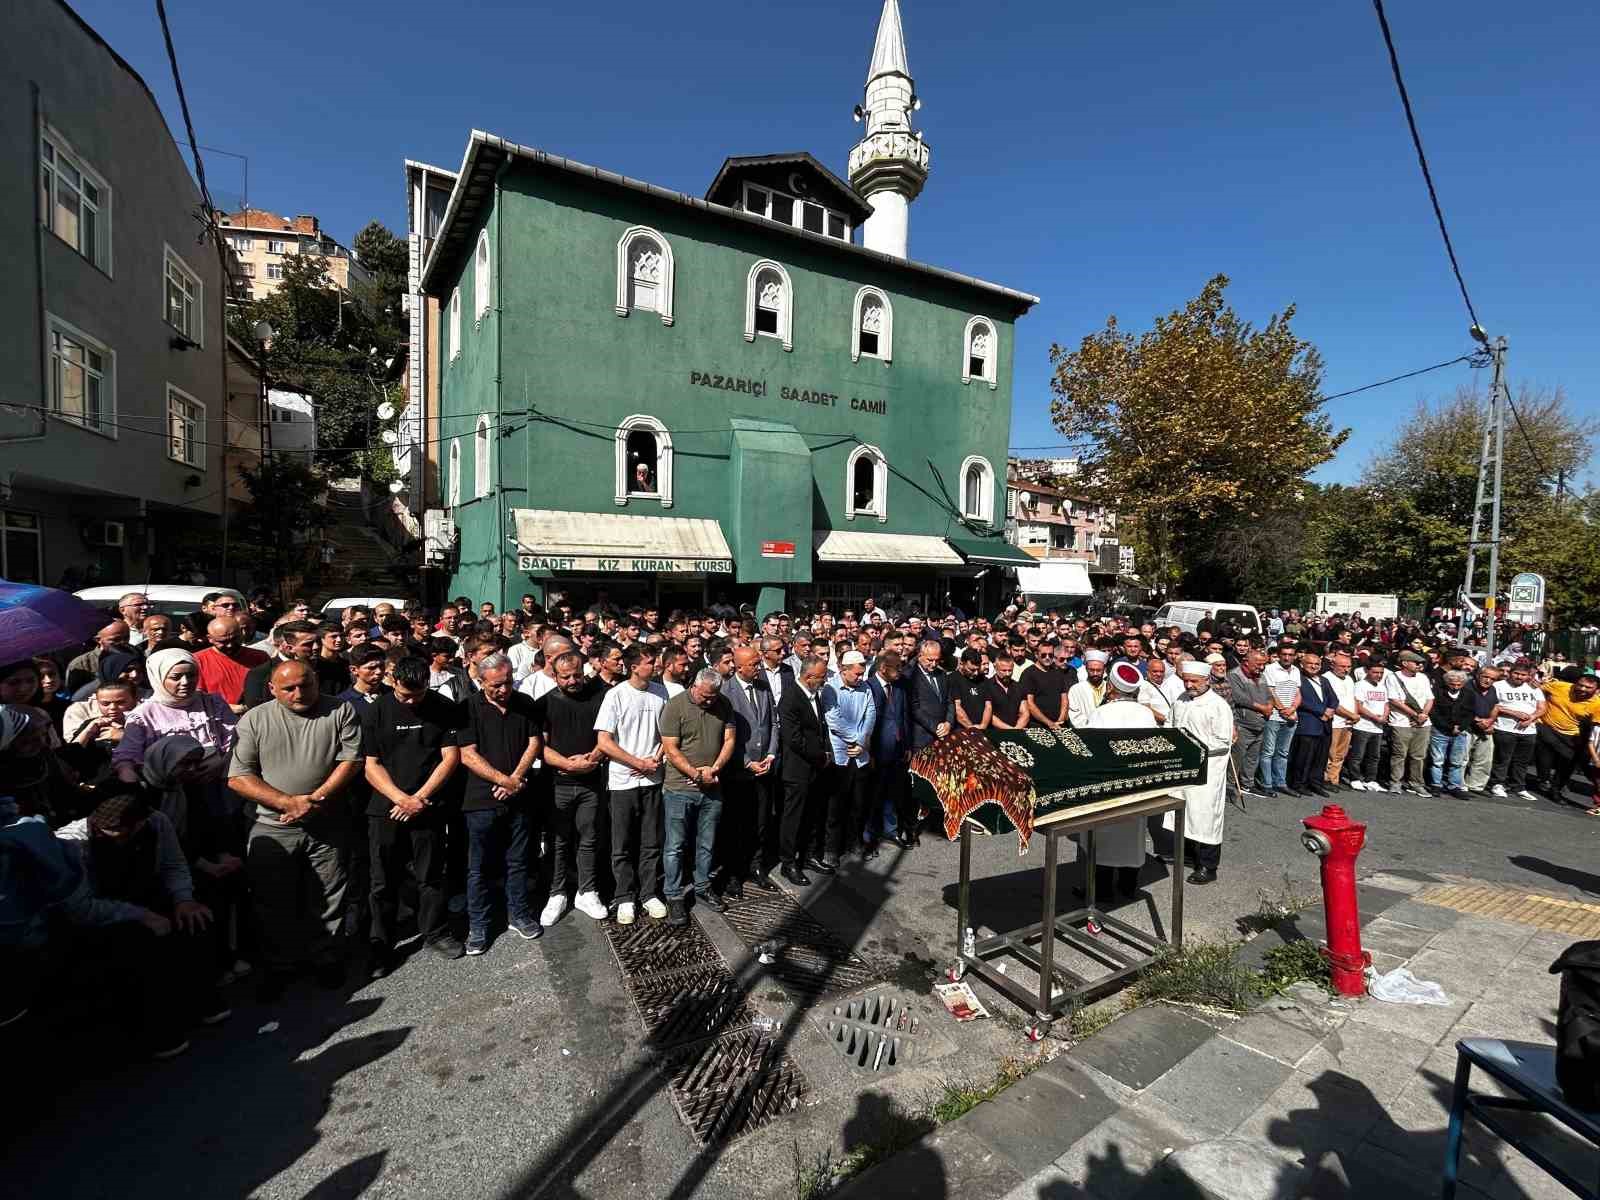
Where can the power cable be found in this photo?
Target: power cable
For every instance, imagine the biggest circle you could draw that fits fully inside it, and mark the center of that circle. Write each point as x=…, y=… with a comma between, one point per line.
x=1544, y=471
x=1422, y=160
x=1397, y=378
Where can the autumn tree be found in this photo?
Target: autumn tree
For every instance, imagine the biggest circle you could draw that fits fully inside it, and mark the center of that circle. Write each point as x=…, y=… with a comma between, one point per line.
x=1201, y=424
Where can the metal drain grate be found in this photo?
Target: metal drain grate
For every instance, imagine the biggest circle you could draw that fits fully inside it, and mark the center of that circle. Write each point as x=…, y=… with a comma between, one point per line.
x=874, y=1032
x=689, y=1005
x=811, y=960
x=653, y=947
x=737, y=1083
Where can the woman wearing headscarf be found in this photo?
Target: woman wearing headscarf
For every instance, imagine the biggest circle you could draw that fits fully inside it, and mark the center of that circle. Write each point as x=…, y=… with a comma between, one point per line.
x=115, y=664
x=30, y=771
x=176, y=705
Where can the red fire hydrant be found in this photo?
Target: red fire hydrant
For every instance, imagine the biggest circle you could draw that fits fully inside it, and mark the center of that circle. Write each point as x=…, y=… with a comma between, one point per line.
x=1334, y=838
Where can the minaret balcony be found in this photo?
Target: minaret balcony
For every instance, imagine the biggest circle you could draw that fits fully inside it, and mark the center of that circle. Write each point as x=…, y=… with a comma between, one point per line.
x=898, y=160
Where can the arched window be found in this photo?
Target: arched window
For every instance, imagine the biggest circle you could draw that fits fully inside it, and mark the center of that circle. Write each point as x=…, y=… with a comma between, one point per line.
x=866, y=484
x=455, y=324
x=980, y=350
x=480, y=279
x=872, y=326
x=977, y=489
x=455, y=472
x=769, y=304
x=644, y=461
x=644, y=273
x=480, y=458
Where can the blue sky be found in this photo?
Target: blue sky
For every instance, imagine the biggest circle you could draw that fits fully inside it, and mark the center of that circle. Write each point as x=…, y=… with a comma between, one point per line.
x=1108, y=158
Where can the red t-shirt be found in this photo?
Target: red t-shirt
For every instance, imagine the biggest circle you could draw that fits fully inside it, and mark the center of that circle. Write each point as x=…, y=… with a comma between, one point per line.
x=224, y=673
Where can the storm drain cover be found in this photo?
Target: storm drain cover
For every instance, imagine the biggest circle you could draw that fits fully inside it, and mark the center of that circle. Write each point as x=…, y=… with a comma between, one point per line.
x=874, y=1032
x=731, y=1085
x=652, y=947
x=809, y=959
x=685, y=1006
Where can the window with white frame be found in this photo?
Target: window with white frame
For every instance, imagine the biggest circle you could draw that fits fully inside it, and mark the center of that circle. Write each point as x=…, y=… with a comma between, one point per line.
x=872, y=327
x=643, y=461
x=455, y=323
x=242, y=243
x=75, y=203
x=186, y=428
x=979, y=351
x=274, y=270
x=1011, y=502
x=82, y=379
x=480, y=278
x=644, y=273
x=455, y=472
x=480, y=458
x=866, y=484
x=769, y=304
x=977, y=489
x=276, y=246
x=795, y=212
x=21, y=557
x=185, y=293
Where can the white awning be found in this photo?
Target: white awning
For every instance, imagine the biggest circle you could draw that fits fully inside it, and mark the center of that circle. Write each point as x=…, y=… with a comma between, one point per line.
x=901, y=549
x=1055, y=579
x=550, y=539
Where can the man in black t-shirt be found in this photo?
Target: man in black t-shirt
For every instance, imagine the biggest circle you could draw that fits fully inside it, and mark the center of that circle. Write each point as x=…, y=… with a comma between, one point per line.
x=1007, y=696
x=1045, y=685
x=409, y=740
x=572, y=751
x=971, y=691
x=500, y=739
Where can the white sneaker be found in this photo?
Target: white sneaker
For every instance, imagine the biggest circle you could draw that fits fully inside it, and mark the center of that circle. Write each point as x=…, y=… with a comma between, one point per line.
x=656, y=909
x=625, y=913
x=553, y=909
x=1527, y=795
x=590, y=905
x=1498, y=790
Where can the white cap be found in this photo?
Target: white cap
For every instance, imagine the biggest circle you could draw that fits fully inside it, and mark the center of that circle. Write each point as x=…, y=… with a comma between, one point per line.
x=1194, y=670
x=1098, y=656
x=851, y=658
x=1125, y=677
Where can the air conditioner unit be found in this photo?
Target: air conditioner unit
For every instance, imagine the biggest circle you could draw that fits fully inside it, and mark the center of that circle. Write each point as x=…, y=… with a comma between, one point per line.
x=104, y=533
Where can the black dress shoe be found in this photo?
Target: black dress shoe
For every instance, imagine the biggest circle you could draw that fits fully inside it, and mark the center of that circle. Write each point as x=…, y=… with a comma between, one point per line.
x=1200, y=877
x=1272, y=794
x=793, y=873
x=712, y=901
x=381, y=960
x=764, y=882
x=822, y=868
x=1316, y=789
x=1289, y=791
x=733, y=889
x=868, y=853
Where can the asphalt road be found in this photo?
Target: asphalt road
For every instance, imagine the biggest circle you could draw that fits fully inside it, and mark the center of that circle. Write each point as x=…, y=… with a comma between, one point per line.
x=524, y=1073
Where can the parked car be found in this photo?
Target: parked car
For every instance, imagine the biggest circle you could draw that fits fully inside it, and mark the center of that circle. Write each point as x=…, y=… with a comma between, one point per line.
x=333, y=608
x=1187, y=615
x=172, y=599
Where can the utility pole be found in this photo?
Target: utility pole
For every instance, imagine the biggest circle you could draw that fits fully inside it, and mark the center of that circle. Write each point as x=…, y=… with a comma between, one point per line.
x=1490, y=460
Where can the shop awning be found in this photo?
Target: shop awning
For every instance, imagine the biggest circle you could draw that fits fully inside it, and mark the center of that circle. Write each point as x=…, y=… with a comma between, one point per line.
x=550, y=539
x=891, y=549
x=1055, y=579
x=991, y=552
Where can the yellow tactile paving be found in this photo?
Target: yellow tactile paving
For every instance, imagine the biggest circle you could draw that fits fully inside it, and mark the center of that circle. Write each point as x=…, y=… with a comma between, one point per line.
x=1526, y=908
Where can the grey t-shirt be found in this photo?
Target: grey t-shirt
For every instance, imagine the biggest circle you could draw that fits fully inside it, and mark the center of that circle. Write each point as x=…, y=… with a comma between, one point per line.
x=295, y=753
x=1246, y=692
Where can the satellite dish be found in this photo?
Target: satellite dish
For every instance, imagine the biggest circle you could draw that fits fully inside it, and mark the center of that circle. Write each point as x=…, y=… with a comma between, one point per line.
x=385, y=411
x=389, y=436
x=396, y=487
x=796, y=184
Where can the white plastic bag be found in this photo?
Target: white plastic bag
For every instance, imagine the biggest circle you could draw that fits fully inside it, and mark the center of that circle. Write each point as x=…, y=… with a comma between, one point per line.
x=1400, y=986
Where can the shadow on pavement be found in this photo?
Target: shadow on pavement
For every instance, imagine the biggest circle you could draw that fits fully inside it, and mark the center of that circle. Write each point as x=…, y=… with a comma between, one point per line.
x=224, y=1119
x=1586, y=881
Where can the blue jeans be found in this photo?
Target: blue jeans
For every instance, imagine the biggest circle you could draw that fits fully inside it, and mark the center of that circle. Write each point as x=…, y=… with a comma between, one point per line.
x=497, y=848
x=1275, y=739
x=1456, y=748
x=702, y=810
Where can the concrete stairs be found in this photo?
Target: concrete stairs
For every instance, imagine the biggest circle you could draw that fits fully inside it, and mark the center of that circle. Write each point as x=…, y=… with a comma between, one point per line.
x=362, y=561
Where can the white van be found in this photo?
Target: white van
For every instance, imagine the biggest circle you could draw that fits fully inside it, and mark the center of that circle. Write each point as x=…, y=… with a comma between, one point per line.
x=332, y=610
x=169, y=598
x=1187, y=615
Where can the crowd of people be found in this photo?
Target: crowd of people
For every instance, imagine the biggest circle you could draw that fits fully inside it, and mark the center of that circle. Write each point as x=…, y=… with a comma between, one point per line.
x=244, y=791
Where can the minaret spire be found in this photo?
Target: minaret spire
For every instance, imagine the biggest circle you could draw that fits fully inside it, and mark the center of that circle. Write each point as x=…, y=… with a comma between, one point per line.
x=890, y=164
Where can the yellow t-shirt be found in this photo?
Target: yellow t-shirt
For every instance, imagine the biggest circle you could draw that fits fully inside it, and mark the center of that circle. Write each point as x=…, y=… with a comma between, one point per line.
x=1564, y=713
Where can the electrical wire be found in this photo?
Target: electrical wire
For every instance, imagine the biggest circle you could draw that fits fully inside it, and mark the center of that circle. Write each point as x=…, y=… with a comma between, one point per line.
x=1422, y=160
x=1544, y=471
x=188, y=122
x=1397, y=378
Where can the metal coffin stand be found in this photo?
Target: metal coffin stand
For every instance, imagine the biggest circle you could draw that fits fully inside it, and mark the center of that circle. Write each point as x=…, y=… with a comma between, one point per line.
x=1137, y=949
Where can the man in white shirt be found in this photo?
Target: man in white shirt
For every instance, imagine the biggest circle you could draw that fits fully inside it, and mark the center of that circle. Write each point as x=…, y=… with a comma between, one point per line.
x=1366, y=736
x=1519, y=703
x=1282, y=678
x=1343, y=683
x=1410, y=702
x=628, y=726
x=523, y=654
x=1086, y=695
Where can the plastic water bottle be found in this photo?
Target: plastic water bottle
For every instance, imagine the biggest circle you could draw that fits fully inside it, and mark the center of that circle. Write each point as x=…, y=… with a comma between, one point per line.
x=765, y=1024
x=969, y=944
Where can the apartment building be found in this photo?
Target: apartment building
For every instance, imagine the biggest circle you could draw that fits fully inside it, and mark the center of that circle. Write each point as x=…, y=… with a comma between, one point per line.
x=264, y=240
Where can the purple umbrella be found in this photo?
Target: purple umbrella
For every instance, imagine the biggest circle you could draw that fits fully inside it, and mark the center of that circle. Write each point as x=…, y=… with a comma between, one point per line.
x=36, y=620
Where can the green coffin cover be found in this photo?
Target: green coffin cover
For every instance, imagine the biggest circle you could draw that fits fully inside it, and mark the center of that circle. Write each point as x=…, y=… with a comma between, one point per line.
x=1072, y=767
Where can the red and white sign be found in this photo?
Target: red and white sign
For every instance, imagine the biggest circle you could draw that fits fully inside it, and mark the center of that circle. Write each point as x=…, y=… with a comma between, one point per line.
x=777, y=549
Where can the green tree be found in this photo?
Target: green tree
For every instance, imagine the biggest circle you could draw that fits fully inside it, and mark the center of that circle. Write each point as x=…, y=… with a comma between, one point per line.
x=1200, y=424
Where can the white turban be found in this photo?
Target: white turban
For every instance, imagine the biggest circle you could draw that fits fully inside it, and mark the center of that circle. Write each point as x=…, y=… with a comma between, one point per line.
x=1098, y=656
x=1194, y=670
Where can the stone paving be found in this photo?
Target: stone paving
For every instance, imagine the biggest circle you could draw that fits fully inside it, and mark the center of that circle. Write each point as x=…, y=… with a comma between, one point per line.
x=1305, y=1097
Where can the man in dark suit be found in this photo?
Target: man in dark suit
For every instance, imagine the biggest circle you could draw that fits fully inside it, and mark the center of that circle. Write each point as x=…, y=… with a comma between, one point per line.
x=805, y=757
x=890, y=741
x=747, y=787
x=929, y=701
